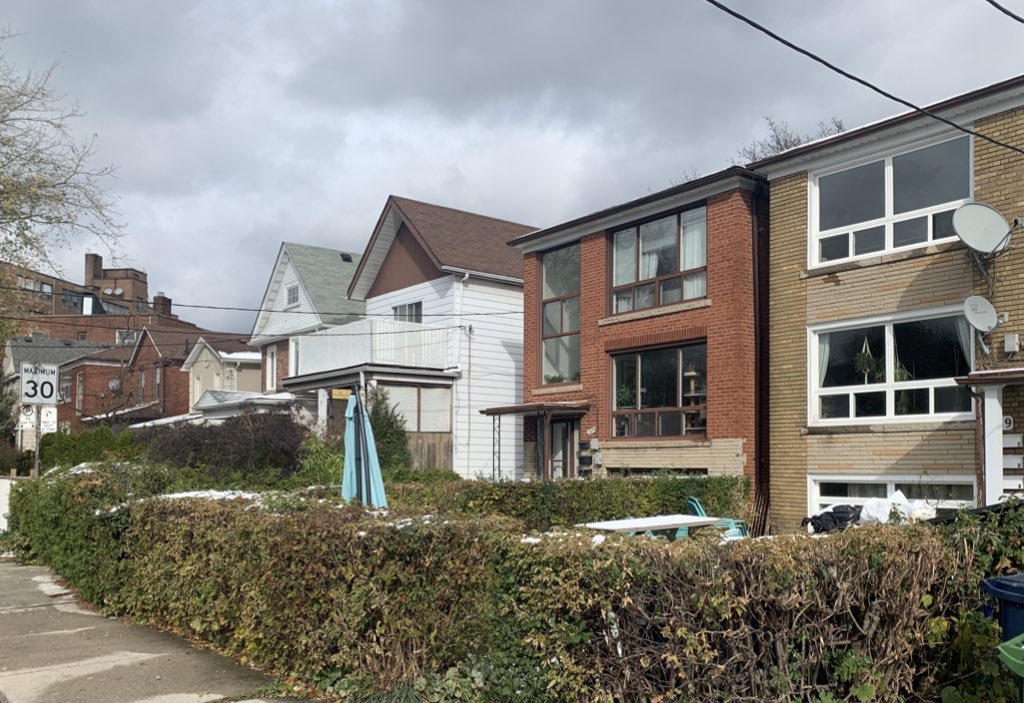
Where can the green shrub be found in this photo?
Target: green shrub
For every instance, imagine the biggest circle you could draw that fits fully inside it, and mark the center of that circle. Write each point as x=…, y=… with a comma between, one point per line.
x=322, y=463
x=388, y=431
x=66, y=449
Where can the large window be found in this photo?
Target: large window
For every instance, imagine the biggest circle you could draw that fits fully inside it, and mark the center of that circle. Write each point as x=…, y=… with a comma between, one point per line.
x=660, y=262
x=891, y=370
x=902, y=201
x=560, y=314
x=660, y=392
x=944, y=492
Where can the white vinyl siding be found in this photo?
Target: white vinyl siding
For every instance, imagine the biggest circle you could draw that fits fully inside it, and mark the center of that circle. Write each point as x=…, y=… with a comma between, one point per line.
x=284, y=317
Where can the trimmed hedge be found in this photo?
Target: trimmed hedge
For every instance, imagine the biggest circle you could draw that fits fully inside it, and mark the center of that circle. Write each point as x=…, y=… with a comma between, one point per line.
x=545, y=504
x=467, y=608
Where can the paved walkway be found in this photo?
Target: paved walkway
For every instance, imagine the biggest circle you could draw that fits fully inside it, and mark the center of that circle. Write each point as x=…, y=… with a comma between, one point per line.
x=52, y=650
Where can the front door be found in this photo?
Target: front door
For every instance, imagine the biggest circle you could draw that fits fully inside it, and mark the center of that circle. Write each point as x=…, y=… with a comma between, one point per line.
x=563, y=448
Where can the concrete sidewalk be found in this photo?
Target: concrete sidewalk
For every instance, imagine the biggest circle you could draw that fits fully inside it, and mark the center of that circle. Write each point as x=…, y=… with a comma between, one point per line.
x=52, y=650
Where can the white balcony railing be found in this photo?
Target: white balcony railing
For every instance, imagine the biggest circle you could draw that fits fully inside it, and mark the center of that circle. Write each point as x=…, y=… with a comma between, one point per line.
x=375, y=341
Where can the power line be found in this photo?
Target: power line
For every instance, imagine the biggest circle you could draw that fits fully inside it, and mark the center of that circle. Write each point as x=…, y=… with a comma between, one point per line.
x=1005, y=11
x=856, y=79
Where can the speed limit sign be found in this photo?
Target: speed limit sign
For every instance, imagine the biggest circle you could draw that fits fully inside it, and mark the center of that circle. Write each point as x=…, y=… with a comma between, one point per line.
x=38, y=384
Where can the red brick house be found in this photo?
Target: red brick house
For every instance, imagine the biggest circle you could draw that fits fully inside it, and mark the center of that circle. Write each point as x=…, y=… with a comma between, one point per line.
x=641, y=335
x=132, y=382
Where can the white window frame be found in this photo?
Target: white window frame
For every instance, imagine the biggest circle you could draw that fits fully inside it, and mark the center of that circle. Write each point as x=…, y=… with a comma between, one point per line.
x=293, y=356
x=270, y=373
x=816, y=503
x=288, y=295
x=888, y=386
x=815, y=236
x=408, y=312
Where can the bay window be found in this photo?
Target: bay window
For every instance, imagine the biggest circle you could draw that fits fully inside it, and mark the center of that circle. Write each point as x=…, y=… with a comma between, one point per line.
x=898, y=369
x=901, y=201
x=660, y=392
x=660, y=262
x=560, y=314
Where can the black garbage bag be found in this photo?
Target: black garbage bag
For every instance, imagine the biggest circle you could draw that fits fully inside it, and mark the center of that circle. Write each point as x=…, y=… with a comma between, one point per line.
x=836, y=518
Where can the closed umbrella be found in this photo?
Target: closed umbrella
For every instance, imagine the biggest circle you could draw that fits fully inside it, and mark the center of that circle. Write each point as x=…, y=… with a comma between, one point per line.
x=361, y=479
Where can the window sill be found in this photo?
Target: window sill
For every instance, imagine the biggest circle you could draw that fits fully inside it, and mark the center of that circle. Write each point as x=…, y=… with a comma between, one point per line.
x=655, y=312
x=554, y=388
x=694, y=440
x=889, y=427
x=891, y=257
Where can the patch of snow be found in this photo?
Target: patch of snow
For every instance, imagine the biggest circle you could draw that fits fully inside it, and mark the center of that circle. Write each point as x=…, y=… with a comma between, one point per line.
x=213, y=495
x=597, y=539
x=530, y=540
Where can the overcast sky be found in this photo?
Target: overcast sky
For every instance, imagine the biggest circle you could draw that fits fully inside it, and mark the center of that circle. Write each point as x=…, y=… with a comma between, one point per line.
x=235, y=126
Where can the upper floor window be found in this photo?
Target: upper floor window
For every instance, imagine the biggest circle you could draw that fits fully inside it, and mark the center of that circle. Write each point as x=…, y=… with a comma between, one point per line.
x=649, y=258
x=71, y=299
x=902, y=369
x=125, y=336
x=660, y=392
x=293, y=295
x=560, y=314
x=410, y=312
x=901, y=201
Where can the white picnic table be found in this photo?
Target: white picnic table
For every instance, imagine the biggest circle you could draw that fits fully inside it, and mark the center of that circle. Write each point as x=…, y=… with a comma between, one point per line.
x=659, y=524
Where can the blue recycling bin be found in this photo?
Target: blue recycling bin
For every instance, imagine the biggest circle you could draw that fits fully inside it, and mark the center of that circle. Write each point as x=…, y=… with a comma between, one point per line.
x=1009, y=592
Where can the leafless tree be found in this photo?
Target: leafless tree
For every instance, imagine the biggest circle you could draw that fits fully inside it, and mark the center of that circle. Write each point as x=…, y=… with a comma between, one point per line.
x=781, y=137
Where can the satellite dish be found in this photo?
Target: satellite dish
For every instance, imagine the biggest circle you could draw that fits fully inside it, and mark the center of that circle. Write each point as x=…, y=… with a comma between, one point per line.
x=119, y=291
x=980, y=314
x=108, y=291
x=981, y=227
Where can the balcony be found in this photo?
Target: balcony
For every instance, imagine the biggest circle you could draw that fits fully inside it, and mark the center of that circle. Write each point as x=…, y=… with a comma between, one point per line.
x=376, y=341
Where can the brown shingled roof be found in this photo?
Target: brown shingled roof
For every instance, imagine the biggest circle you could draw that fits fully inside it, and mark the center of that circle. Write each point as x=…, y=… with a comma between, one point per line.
x=464, y=240
x=176, y=344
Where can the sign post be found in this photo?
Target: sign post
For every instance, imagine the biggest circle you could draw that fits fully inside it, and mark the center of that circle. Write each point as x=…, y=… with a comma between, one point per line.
x=38, y=388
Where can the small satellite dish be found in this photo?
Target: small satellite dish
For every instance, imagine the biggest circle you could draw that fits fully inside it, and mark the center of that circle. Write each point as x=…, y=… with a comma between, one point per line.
x=108, y=291
x=981, y=227
x=980, y=314
x=119, y=291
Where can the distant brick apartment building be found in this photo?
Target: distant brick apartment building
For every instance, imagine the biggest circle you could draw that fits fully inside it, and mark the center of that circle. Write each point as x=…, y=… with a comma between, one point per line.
x=872, y=362
x=641, y=335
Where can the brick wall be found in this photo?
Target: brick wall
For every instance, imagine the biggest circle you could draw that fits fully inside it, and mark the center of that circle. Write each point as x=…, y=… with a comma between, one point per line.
x=725, y=319
x=281, y=368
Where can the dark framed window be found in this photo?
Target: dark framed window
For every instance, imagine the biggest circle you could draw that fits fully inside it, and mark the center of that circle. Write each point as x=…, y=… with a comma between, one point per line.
x=293, y=295
x=560, y=314
x=660, y=392
x=410, y=312
x=660, y=262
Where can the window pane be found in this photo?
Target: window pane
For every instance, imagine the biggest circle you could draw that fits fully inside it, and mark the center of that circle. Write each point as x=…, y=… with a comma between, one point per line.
x=955, y=399
x=835, y=406
x=835, y=247
x=571, y=315
x=695, y=373
x=912, y=402
x=852, y=490
x=852, y=357
x=658, y=379
x=695, y=285
x=942, y=225
x=852, y=196
x=625, y=256
x=645, y=425
x=644, y=296
x=623, y=425
x=561, y=271
x=670, y=424
x=930, y=176
x=552, y=318
x=625, y=381
x=693, y=224
x=909, y=232
x=624, y=301
x=869, y=404
x=926, y=490
x=658, y=248
x=869, y=240
x=671, y=292
x=562, y=359
x=928, y=349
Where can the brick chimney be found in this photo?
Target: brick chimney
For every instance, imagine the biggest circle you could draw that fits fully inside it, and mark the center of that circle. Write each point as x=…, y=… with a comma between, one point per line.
x=93, y=268
x=162, y=304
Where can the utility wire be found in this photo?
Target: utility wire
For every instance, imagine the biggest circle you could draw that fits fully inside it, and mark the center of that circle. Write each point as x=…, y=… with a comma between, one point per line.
x=856, y=79
x=1005, y=11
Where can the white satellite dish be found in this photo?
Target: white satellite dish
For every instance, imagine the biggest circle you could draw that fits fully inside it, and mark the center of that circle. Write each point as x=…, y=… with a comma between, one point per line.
x=981, y=228
x=108, y=291
x=119, y=291
x=980, y=314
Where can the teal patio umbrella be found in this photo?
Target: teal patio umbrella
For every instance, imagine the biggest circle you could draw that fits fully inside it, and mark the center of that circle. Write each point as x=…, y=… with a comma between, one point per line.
x=361, y=479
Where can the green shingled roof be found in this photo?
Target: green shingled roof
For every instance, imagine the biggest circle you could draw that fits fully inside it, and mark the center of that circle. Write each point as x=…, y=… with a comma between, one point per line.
x=326, y=277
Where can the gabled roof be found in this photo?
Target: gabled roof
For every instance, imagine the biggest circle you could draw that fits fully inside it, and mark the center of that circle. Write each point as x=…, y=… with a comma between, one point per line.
x=234, y=348
x=39, y=348
x=455, y=240
x=324, y=275
x=175, y=345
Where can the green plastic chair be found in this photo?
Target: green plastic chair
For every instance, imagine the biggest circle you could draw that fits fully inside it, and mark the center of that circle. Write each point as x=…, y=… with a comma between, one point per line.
x=731, y=528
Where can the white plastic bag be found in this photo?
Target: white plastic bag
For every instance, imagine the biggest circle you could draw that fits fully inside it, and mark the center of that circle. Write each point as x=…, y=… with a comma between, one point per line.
x=879, y=509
